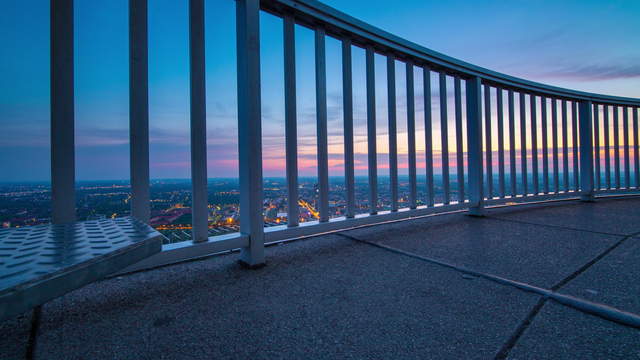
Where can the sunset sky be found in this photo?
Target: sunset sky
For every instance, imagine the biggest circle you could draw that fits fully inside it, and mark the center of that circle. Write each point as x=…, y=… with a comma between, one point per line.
x=584, y=45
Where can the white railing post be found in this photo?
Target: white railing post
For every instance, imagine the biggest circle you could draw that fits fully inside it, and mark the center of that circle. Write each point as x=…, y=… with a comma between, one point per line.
x=63, y=198
x=199, y=203
x=139, y=110
x=347, y=108
x=250, y=131
x=523, y=145
x=290, y=118
x=372, y=154
x=444, y=137
x=411, y=136
x=428, y=134
x=321, y=125
x=636, y=147
x=393, y=138
x=586, y=151
x=474, y=145
x=488, y=152
x=457, y=91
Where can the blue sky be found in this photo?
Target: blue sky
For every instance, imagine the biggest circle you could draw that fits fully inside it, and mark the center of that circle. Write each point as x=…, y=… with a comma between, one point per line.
x=586, y=45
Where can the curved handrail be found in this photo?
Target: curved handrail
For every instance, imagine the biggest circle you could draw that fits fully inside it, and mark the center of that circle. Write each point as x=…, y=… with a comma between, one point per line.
x=336, y=23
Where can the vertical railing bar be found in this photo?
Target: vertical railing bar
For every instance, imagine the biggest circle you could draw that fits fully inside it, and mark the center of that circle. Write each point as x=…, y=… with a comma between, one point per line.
x=607, y=150
x=565, y=147
x=616, y=146
x=500, y=105
x=488, y=152
x=290, y=119
x=554, y=130
x=545, y=144
x=586, y=151
x=250, y=130
x=139, y=110
x=523, y=145
x=512, y=142
x=347, y=108
x=574, y=130
x=596, y=141
x=636, y=147
x=444, y=135
x=198, y=107
x=534, y=144
x=393, y=140
x=411, y=136
x=63, y=196
x=474, y=145
x=457, y=86
x=627, y=163
x=371, y=131
x=428, y=134
x=321, y=117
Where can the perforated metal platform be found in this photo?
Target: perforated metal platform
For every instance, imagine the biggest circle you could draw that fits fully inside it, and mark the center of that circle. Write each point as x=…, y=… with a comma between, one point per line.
x=42, y=262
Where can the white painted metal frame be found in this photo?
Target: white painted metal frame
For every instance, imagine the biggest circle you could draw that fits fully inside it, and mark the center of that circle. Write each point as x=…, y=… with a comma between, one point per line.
x=596, y=143
x=534, y=144
x=512, y=143
x=616, y=146
x=474, y=147
x=250, y=130
x=607, y=150
x=199, y=207
x=371, y=131
x=393, y=138
x=428, y=135
x=523, y=145
x=325, y=21
x=291, y=128
x=575, y=151
x=63, y=199
x=139, y=109
x=411, y=136
x=586, y=151
x=565, y=147
x=627, y=163
x=347, y=108
x=545, y=145
x=457, y=90
x=501, y=175
x=636, y=148
x=556, y=161
x=321, y=125
x=488, y=153
x=444, y=138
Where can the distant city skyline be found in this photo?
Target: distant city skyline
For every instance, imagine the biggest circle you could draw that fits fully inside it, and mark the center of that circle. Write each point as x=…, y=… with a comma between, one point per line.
x=585, y=45
x=26, y=204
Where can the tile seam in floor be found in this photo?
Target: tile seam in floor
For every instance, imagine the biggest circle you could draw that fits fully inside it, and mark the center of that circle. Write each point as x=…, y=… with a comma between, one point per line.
x=462, y=269
x=569, y=301
x=506, y=348
x=603, y=311
x=589, y=264
x=524, y=324
x=493, y=217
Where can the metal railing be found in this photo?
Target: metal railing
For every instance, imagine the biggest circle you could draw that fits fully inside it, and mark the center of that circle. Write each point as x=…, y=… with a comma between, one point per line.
x=548, y=143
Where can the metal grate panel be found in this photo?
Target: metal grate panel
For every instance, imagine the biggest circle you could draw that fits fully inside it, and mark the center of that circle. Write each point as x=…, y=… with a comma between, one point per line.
x=42, y=262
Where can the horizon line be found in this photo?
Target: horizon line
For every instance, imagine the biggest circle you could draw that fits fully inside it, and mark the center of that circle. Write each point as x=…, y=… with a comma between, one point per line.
x=451, y=173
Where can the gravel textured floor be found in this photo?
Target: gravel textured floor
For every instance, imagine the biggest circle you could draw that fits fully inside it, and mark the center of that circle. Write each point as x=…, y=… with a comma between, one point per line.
x=332, y=297
x=559, y=332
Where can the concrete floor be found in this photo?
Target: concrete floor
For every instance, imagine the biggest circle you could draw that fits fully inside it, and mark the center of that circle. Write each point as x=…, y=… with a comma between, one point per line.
x=417, y=289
